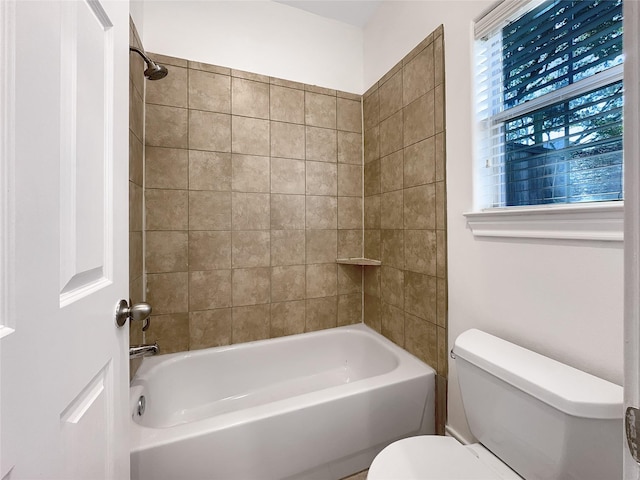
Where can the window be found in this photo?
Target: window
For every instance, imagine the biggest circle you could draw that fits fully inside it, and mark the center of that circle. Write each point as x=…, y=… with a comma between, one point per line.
x=549, y=91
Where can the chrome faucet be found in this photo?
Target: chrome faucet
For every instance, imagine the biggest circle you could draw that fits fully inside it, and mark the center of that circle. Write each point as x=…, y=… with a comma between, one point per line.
x=136, y=351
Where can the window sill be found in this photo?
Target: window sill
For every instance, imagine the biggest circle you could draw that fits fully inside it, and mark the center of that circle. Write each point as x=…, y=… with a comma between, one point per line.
x=594, y=221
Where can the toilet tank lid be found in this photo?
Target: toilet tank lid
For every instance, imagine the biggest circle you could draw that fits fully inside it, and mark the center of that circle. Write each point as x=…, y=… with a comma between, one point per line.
x=565, y=388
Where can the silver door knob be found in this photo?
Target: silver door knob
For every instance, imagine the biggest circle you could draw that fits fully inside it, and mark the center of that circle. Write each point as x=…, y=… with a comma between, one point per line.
x=139, y=311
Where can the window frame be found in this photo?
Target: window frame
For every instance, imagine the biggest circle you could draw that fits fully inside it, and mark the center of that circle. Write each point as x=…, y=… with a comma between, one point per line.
x=594, y=221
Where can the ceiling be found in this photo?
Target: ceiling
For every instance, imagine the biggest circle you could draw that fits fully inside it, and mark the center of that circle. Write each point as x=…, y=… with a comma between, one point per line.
x=353, y=12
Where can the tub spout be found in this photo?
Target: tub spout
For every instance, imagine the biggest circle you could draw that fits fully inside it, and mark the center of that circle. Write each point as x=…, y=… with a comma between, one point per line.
x=136, y=351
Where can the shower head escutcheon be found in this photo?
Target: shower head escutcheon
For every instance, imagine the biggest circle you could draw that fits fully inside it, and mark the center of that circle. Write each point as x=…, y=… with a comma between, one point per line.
x=154, y=70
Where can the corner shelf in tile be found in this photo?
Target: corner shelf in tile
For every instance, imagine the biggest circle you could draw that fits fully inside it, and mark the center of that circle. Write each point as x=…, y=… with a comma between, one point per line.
x=365, y=262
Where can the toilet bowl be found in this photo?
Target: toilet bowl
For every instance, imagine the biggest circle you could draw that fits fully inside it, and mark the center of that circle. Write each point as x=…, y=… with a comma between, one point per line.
x=535, y=418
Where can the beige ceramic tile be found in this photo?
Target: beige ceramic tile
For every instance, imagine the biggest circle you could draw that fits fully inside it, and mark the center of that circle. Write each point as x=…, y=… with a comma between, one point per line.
x=372, y=244
x=250, y=173
x=321, y=144
x=250, y=249
x=281, y=82
x=171, y=91
x=320, y=110
x=209, y=328
x=372, y=212
x=391, y=73
x=166, y=209
x=371, y=278
x=209, y=210
x=349, y=279
x=321, y=280
x=440, y=157
x=390, y=94
x=287, y=283
x=209, y=171
x=135, y=208
x=287, y=212
x=441, y=206
x=209, y=91
x=349, y=96
x=170, y=331
x=209, y=131
x=349, y=243
x=391, y=172
x=420, y=163
x=166, y=252
x=419, y=75
x=350, y=180
x=287, y=247
x=421, y=339
x=287, y=176
x=321, y=246
x=322, y=178
x=441, y=253
x=251, y=286
x=136, y=113
x=251, y=323
x=287, y=140
x=250, y=136
x=320, y=90
x=439, y=110
x=420, y=207
x=206, y=67
x=391, y=210
x=135, y=255
x=321, y=313
x=372, y=312
x=250, y=211
x=441, y=405
x=358, y=476
x=136, y=170
x=166, y=126
x=167, y=60
x=249, y=98
x=392, y=323
x=438, y=55
x=443, y=357
x=349, y=309
x=168, y=292
x=321, y=212
x=420, y=251
x=419, y=119
x=372, y=178
x=372, y=144
x=441, y=303
x=392, y=248
x=209, y=290
x=209, y=250
x=349, y=148
x=287, y=318
x=371, y=110
x=349, y=115
x=392, y=286
x=349, y=213
x=250, y=76
x=287, y=105
x=166, y=168
x=418, y=48
x=420, y=295
x=391, y=134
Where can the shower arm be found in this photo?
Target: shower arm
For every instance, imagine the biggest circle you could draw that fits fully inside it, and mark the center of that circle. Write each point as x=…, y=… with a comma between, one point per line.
x=143, y=55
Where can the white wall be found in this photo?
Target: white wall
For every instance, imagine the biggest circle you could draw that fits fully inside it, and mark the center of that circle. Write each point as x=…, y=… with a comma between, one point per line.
x=136, y=10
x=258, y=36
x=564, y=300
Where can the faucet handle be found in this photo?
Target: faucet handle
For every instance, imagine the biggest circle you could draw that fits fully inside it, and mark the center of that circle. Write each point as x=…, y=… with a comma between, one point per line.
x=139, y=311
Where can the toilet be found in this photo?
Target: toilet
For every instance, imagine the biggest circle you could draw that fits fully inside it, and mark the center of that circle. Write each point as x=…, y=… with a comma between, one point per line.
x=535, y=418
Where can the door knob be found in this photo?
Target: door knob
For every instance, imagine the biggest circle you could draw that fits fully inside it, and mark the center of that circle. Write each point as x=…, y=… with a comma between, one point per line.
x=139, y=311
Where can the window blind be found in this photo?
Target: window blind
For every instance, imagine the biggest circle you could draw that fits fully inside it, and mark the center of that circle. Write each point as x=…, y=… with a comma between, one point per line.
x=549, y=103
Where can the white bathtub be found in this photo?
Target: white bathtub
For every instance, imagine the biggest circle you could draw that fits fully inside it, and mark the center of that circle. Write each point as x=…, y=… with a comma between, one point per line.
x=316, y=405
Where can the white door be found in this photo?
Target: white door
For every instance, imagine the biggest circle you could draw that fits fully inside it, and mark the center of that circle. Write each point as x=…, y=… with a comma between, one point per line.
x=632, y=233
x=63, y=256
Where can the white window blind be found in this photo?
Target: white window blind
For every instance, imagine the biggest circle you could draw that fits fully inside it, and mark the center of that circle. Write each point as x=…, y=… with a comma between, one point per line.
x=549, y=102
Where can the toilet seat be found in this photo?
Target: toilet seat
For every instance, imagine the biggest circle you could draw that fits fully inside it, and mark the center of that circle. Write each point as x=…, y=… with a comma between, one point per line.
x=431, y=457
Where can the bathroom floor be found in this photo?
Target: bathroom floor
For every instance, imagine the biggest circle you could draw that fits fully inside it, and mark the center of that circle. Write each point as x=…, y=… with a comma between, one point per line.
x=358, y=476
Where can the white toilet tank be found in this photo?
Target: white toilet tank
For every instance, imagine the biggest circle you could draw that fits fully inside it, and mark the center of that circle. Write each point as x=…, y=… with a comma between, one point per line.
x=544, y=419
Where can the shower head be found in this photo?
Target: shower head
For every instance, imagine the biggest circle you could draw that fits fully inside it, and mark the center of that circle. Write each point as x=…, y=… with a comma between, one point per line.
x=154, y=70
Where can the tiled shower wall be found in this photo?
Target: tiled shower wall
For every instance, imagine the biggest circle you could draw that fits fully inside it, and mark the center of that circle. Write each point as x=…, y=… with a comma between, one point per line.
x=136, y=142
x=405, y=207
x=253, y=187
